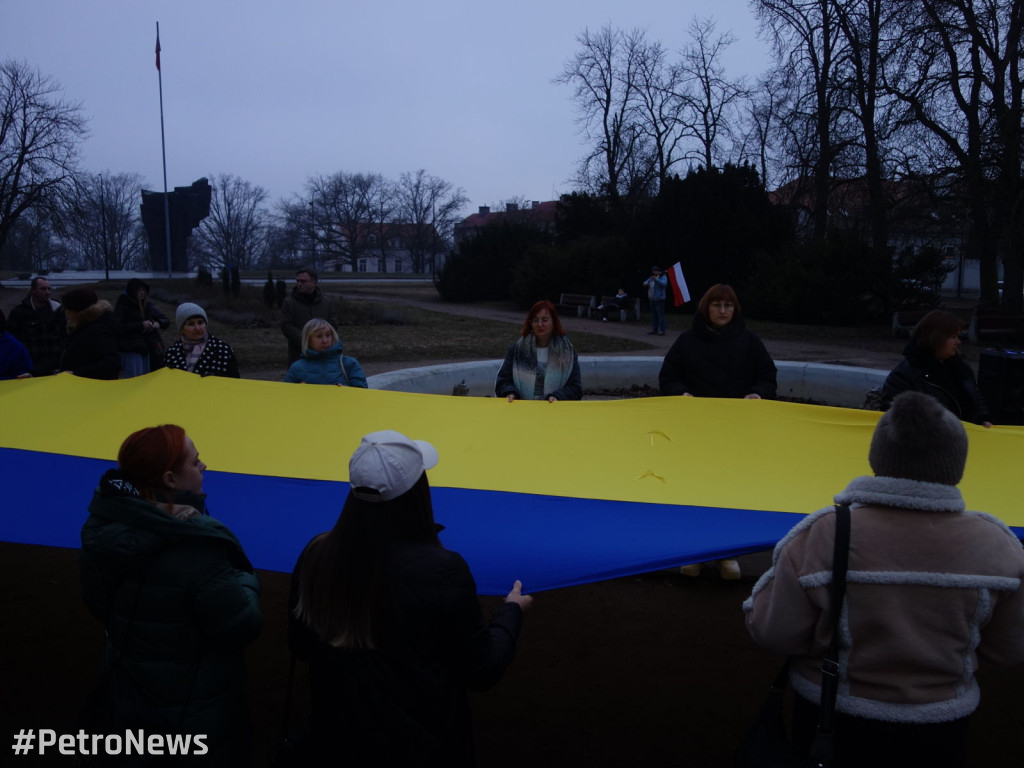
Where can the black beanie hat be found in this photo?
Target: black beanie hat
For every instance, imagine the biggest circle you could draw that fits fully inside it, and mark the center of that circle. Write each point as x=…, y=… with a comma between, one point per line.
x=79, y=298
x=919, y=439
x=133, y=286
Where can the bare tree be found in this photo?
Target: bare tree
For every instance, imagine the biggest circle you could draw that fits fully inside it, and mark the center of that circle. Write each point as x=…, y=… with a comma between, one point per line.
x=659, y=106
x=235, y=232
x=807, y=40
x=384, y=204
x=32, y=244
x=40, y=135
x=99, y=221
x=709, y=100
x=960, y=78
x=341, y=215
x=862, y=24
x=603, y=75
x=758, y=127
x=428, y=207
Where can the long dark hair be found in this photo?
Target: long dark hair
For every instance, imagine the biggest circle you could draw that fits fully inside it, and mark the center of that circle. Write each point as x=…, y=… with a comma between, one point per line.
x=341, y=594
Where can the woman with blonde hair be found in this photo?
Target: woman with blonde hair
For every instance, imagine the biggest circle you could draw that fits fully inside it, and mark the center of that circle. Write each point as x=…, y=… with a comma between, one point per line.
x=322, y=361
x=542, y=364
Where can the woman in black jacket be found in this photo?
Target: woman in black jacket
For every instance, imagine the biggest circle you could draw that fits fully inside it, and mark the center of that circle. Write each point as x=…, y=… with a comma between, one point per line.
x=718, y=357
x=141, y=346
x=390, y=624
x=92, y=348
x=932, y=364
x=178, y=598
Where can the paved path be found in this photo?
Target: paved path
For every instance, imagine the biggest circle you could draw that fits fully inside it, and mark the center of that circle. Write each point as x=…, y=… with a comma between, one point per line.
x=871, y=354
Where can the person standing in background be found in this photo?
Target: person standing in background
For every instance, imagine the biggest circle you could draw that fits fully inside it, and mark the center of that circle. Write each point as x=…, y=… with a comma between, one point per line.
x=141, y=323
x=40, y=324
x=305, y=302
x=656, y=286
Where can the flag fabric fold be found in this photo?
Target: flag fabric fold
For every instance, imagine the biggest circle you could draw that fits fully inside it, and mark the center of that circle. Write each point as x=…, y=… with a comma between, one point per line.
x=680, y=293
x=158, y=51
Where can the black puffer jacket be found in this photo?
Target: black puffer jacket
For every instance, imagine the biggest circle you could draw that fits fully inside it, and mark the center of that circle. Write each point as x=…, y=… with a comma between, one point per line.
x=731, y=362
x=180, y=601
x=406, y=703
x=951, y=382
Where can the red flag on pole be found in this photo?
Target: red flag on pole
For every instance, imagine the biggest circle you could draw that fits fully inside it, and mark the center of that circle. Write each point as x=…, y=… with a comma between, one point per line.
x=680, y=293
x=158, y=50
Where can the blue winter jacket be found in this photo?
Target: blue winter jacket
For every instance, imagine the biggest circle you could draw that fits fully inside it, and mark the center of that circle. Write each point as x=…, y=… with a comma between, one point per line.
x=14, y=358
x=327, y=367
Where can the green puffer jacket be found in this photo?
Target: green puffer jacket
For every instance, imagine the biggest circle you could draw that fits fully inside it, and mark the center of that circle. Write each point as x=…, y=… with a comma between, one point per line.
x=179, y=600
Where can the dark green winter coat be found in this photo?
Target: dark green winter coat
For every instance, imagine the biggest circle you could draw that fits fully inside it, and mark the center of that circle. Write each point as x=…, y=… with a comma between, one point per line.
x=179, y=600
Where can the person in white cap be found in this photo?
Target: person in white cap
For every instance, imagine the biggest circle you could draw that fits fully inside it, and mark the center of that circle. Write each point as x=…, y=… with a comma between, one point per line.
x=390, y=623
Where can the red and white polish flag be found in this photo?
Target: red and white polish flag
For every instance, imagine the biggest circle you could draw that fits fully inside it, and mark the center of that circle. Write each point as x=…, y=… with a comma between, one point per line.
x=680, y=292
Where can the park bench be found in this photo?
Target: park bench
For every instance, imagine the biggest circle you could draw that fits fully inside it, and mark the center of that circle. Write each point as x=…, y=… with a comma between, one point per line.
x=624, y=313
x=581, y=302
x=991, y=321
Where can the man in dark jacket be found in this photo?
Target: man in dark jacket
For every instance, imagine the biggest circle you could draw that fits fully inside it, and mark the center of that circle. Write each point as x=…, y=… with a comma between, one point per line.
x=306, y=302
x=92, y=348
x=39, y=323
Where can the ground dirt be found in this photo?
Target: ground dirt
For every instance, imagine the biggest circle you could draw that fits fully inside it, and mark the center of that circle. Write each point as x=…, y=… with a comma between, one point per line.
x=651, y=670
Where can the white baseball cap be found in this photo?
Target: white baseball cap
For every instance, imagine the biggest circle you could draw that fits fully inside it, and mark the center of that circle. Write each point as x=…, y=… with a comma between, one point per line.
x=387, y=464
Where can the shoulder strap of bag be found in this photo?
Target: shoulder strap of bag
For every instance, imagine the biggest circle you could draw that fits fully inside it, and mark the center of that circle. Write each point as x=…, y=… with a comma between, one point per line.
x=822, y=747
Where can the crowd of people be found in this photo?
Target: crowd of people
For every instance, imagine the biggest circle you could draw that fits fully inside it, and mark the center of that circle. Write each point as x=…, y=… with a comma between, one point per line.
x=387, y=618
x=84, y=335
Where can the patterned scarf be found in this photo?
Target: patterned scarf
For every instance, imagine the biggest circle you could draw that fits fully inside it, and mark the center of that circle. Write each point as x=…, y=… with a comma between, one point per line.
x=193, y=351
x=524, y=365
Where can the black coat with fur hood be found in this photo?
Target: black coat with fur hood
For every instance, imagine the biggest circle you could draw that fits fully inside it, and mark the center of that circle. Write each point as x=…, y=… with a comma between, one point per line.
x=92, y=349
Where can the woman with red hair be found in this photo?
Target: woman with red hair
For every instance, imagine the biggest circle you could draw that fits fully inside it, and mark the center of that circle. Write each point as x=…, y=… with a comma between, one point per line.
x=177, y=596
x=542, y=365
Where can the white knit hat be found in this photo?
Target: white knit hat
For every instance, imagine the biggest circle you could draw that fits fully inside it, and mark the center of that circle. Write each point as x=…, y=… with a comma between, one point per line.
x=387, y=464
x=187, y=310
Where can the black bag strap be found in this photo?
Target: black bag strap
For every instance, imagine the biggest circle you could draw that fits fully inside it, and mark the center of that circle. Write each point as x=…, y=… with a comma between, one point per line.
x=822, y=746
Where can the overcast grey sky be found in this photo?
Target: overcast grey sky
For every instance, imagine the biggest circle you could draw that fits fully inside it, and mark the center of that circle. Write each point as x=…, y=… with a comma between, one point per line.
x=276, y=91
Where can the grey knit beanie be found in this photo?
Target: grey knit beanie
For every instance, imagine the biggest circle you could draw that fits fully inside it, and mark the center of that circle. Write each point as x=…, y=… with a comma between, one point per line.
x=918, y=439
x=187, y=310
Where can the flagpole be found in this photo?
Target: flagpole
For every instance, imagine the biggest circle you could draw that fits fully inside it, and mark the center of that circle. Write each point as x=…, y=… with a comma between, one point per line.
x=163, y=152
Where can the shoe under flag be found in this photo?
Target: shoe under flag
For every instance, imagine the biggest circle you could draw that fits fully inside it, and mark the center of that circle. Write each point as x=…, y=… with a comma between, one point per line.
x=680, y=293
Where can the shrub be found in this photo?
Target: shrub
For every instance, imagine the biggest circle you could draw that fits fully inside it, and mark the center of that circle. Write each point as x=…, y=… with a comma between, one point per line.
x=481, y=267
